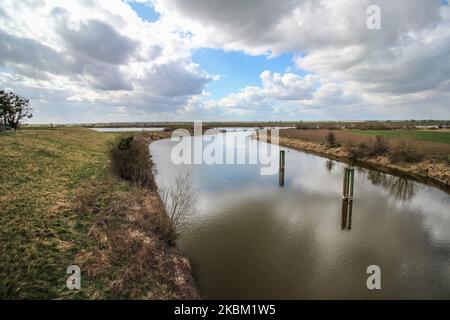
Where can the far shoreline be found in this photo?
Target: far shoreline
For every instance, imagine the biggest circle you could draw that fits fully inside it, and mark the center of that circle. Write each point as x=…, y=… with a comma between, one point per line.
x=414, y=172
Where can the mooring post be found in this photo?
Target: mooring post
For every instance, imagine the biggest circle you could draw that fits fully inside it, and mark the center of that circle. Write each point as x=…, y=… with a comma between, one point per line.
x=349, y=181
x=352, y=183
x=344, y=186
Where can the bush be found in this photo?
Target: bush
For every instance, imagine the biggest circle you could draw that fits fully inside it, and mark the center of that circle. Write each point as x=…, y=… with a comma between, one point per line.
x=405, y=152
x=445, y=159
x=331, y=140
x=131, y=160
x=303, y=127
x=379, y=146
x=358, y=151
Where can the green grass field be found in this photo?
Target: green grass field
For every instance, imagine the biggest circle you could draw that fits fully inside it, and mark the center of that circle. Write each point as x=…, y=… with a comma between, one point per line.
x=423, y=135
x=41, y=172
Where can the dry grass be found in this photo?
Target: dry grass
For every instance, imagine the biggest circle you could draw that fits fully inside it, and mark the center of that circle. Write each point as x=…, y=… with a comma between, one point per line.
x=136, y=257
x=406, y=152
x=377, y=146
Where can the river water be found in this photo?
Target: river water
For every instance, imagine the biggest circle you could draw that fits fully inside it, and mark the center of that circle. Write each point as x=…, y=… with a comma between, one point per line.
x=254, y=239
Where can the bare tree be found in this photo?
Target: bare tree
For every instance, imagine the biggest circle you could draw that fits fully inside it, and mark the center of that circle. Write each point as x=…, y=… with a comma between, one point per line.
x=178, y=200
x=14, y=108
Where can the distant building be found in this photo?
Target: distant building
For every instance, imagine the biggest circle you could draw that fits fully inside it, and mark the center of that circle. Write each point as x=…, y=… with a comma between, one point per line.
x=427, y=127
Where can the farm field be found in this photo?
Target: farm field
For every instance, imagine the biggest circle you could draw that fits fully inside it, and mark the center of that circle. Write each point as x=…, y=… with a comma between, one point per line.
x=428, y=142
x=441, y=136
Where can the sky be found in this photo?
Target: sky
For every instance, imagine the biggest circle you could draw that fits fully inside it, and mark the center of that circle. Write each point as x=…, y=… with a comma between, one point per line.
x=88, y=61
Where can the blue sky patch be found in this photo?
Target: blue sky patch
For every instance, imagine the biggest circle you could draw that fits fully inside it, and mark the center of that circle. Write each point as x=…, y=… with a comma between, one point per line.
x=145, y=11
x=238, y=70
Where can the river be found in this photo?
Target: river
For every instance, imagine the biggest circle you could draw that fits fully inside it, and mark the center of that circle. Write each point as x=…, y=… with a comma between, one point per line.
x=254, y=239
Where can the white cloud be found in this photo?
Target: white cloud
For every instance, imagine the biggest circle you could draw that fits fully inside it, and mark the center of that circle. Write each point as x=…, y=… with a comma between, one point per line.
x=101, y=54
x=405, y=65
x=97, y=53
x=288, y=86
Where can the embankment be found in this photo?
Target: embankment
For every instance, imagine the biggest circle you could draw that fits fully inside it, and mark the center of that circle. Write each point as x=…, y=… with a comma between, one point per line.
x=61, y=204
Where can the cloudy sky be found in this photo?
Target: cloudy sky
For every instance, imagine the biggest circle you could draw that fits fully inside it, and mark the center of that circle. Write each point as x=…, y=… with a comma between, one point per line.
x=161, y=60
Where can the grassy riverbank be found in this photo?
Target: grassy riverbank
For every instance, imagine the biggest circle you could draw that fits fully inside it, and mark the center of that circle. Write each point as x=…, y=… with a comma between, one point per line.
x=60, y=204
x=428, y=161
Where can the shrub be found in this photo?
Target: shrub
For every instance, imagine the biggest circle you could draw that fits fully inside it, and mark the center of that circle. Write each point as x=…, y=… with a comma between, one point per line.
x=303, y=127
x=379, y=146
x=178, y=199
x=405, y=152
x=331, y=140
x=445, y=159
x=131, y=160
x=358, y=151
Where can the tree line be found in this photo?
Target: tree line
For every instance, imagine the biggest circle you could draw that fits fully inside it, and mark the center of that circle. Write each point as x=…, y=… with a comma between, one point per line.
x=13, y=109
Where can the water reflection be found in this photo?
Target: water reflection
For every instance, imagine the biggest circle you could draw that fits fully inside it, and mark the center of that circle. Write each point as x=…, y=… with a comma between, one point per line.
x=347, y=211
x=329, y=164
x=281, y=177
x=400, y=187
